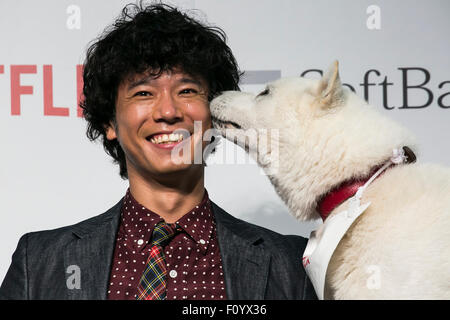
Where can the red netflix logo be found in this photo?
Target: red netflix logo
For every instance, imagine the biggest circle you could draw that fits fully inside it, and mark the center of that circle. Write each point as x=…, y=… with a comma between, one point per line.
x=17, y=89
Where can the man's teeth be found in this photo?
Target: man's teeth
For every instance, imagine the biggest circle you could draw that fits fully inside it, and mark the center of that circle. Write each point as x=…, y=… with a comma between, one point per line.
x=167, y=138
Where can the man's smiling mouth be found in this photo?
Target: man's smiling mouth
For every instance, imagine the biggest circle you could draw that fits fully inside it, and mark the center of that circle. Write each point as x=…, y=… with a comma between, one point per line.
x=165, y=138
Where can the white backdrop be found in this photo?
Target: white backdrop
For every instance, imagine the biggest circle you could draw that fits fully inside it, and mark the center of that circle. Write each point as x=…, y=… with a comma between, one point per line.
x=51, y=175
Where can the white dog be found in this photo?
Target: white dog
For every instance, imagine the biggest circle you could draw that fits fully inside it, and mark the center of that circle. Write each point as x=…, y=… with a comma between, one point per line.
x=328, y=137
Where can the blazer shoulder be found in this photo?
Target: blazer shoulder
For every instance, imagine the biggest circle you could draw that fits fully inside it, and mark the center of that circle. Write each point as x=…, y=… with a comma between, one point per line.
x=39, y=259
x=272, y=239
x=56, y=238
x=287, y=278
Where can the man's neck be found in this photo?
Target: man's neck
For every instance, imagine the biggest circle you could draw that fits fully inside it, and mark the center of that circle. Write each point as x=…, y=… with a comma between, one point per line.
x=169, y=200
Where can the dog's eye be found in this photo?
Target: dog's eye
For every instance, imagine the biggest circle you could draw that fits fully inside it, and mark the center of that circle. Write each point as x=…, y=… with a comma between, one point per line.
x=264, y=93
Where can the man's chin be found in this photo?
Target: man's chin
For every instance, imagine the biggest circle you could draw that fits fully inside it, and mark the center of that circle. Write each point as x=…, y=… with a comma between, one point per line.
x=170, y=168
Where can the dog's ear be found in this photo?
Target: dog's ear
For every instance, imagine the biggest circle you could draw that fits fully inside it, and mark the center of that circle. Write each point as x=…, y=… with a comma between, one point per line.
x=330, y=91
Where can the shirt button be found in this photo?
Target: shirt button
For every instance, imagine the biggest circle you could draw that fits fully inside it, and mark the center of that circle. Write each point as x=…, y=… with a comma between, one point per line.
x=202, y=241
x=173, y=274
x=140, y=242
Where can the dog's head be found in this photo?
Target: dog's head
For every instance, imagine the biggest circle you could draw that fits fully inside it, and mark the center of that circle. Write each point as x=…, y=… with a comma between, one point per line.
x=319, y=134
x=286, y=104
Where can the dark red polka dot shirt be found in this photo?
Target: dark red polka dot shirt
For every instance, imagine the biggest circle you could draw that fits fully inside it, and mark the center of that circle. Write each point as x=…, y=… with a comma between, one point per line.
x=194, y=266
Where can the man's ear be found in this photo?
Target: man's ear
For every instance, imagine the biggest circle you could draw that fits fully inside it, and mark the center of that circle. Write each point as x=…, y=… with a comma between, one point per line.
x=330, y=91
x=111, y=133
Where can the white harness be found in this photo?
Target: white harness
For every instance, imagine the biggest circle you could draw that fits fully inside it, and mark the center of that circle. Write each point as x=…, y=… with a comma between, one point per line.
x=323, y=241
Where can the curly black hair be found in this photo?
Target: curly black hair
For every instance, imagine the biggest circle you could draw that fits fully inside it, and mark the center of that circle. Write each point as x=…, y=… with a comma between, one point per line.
x=154, y=38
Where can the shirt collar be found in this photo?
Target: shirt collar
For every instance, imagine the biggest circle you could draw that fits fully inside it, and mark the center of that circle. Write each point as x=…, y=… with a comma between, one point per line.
x=198, y=223
x=137, y=222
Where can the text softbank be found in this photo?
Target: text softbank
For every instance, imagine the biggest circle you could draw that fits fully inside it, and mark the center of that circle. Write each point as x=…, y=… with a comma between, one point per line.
x=374, y=77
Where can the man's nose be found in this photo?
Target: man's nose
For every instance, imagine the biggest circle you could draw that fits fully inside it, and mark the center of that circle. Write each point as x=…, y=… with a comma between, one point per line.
x=167, y=110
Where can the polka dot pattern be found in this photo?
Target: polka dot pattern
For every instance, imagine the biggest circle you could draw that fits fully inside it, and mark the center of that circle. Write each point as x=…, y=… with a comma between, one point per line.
x=194, y=265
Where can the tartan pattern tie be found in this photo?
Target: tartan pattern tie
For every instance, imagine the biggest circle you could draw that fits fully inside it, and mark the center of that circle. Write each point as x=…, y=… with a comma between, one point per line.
x=152, y=285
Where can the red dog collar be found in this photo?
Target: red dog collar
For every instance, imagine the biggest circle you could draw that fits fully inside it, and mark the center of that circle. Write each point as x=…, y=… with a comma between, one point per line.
x=348, y=188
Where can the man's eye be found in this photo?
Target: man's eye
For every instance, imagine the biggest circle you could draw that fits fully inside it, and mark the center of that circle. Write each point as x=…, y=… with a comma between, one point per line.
x=265, y=92
x=188, y=91
x=142, y=94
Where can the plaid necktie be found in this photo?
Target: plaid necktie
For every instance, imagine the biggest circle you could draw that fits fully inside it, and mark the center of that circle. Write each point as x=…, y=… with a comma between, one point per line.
x=152, y=285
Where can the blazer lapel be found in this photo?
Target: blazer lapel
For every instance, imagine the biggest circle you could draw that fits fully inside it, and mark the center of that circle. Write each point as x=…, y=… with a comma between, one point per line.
x=244, y=261
x=91, y=252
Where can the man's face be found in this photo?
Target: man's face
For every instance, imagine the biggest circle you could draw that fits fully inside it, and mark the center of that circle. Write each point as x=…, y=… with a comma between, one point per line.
x=149, y=110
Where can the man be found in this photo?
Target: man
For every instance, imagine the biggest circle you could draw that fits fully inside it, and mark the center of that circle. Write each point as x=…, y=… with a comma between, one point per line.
x=147, y=84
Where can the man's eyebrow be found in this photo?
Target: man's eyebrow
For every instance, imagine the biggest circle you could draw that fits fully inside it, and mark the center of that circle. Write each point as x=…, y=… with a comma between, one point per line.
x=191, y=80
x=138, y=82
x=149, y=79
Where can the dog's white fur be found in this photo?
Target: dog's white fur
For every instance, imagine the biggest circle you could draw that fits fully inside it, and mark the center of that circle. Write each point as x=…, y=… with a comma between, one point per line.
x=327, y=135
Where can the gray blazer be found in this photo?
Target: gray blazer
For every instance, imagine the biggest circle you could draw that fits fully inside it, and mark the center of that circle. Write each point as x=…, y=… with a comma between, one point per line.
x=257, y=263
